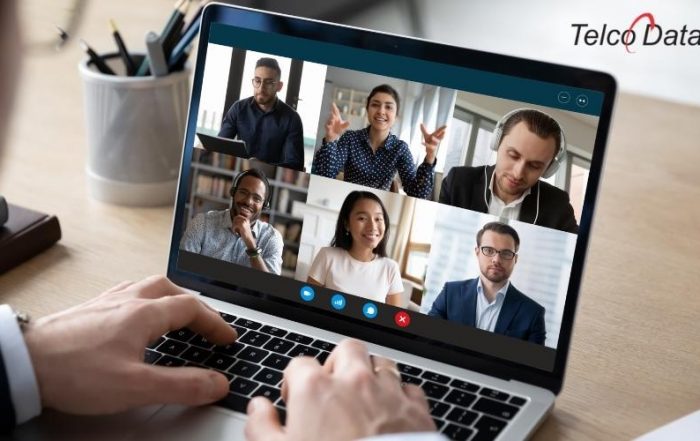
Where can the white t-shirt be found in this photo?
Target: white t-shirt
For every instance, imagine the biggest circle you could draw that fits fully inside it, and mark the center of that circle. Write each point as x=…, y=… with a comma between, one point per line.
x=336, y=269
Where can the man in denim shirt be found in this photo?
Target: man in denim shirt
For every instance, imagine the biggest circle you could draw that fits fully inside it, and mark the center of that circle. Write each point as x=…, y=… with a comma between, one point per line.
x=238, y=235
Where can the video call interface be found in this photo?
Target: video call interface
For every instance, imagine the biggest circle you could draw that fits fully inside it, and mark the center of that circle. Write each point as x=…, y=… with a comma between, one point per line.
x=439, y=212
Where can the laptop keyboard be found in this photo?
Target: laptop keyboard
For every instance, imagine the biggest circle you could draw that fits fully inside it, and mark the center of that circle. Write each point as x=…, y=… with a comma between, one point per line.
x=254, y=364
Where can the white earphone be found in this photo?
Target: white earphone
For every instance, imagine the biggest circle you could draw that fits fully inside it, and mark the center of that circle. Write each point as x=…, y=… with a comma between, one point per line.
x=559, y=158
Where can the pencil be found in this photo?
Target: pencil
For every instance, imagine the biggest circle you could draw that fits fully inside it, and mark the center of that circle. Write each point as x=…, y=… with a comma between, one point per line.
x=182, y=45
x=123, y=52
x=195, y=18
x=96, y=59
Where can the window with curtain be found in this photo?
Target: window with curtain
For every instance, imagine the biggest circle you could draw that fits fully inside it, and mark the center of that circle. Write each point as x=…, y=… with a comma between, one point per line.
x=418, y=245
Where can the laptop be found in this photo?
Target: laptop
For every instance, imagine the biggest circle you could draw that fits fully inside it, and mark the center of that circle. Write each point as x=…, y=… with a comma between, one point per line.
x=234, y=147
x=481, y=384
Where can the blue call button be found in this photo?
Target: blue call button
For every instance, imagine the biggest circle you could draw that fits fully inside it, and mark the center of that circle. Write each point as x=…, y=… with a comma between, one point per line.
x=338, y=302
x=307, y=293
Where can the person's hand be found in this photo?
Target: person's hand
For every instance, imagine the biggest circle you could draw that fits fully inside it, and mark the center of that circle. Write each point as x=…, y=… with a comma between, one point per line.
x=352, y=396
x=335, y=125
x=431, y=141
x=241, y=225
x=89, y=359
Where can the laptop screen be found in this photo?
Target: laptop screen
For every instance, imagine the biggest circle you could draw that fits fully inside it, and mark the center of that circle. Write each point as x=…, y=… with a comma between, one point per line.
x=415, y=190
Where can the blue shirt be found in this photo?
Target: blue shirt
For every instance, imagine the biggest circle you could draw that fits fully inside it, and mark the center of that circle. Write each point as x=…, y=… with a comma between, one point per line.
x=210, y=234
x=275, y=137
x=353, y=154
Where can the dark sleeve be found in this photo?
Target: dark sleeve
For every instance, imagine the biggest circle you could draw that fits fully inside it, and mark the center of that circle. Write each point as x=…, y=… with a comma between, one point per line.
x=293, y=149
x=538, y=332
x=7, y=409
x=446, y=188
x=568, y=219
x=331, y=156
x=416, y=182
x=228, y=125
x=439, y=308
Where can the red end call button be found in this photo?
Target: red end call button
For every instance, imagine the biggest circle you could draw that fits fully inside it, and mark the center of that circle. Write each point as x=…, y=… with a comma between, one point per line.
x=402, y=319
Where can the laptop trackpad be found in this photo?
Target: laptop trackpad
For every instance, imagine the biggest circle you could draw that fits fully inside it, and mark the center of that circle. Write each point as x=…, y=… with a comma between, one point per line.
x=175, y=423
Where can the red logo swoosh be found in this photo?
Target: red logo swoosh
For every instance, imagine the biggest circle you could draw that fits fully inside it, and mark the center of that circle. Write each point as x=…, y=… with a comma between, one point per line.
x=652, y=22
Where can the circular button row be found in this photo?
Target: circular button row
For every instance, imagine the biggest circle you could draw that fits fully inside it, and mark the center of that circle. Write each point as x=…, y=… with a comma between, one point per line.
x=369, y=309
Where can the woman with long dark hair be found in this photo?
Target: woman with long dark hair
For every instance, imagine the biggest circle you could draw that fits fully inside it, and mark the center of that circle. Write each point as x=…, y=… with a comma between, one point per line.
x=372, y=156
x=356, y=261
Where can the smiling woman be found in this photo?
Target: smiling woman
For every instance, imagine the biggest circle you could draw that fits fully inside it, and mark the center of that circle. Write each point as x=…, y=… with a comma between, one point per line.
x=356, y=261
x=372, y=156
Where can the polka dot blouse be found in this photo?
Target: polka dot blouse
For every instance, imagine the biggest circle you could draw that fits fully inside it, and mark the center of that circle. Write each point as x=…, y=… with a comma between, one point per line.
x=352, y=153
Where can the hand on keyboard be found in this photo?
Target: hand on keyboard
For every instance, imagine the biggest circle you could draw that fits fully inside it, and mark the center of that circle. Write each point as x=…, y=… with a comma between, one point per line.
x=89, y=359
x=351, y=396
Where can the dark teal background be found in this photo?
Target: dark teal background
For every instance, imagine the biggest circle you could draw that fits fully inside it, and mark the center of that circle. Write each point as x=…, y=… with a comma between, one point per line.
x=412, y=69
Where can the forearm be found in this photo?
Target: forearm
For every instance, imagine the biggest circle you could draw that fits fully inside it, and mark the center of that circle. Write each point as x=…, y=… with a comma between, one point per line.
x=420, y=184
x=328, y=159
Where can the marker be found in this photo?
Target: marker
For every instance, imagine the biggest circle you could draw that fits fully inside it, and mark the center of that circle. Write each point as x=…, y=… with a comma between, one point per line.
x=156, y=57
x=123, y=52
x=143, y=69
x=96, y=59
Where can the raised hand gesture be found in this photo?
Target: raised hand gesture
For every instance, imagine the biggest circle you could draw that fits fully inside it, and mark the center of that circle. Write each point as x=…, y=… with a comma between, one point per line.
x=431, y=141
x=335, y=125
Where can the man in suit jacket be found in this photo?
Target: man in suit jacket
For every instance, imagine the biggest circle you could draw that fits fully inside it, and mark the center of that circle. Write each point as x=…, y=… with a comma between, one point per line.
x=490, y=302
x=512, y=188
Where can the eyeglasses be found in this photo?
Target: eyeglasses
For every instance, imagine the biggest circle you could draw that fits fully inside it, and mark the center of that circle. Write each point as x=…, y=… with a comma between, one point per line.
x=257, y=82
x=245, y=194
x=490, y=252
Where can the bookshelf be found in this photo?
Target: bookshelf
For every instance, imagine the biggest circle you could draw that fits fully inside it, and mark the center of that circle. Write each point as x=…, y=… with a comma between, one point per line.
x=212, y=176
x=351, y=103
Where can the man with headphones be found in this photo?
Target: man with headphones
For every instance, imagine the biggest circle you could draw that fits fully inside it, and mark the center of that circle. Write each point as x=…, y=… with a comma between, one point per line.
x=530, y=145
x=237, y=234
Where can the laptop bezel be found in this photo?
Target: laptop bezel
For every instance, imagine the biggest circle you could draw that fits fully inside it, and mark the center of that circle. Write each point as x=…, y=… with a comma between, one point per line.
x=426, y=50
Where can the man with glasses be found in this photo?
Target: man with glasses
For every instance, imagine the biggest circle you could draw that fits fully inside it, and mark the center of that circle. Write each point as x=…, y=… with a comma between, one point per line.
x=490, y=302
x=237, y=234
x=271, y=129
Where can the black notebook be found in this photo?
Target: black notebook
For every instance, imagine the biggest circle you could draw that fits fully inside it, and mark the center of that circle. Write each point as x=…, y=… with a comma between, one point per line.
x=25, y=234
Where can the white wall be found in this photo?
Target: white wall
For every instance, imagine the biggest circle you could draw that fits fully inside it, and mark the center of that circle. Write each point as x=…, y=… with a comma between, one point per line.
x=541, y=29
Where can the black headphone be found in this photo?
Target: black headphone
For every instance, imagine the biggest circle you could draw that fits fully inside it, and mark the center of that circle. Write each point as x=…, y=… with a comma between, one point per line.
x=256, y=173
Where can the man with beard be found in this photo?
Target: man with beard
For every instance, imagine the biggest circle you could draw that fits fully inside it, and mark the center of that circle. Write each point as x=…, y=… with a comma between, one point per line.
x=271, y=129
x=238, y=235
x=529, y=145
x=490, y=302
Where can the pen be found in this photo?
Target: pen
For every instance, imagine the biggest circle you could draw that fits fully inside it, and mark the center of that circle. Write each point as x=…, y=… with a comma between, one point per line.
x=172, y=32
x=156, y=56
x=195, y=18
x=181, y=45
x=96, y=59
x=143, y=69
x=123, y=52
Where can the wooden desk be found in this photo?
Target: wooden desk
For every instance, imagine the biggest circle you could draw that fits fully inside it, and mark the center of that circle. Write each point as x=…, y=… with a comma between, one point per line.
x=634, y=359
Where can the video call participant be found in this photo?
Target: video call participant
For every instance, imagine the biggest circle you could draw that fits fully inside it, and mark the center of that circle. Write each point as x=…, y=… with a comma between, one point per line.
x=356, y=261
x=372, y=156
x=237, y=234
x=51, y=363
x=490, y=302
x=530, y=145
x=271, y=129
